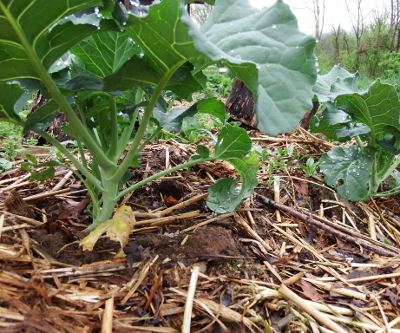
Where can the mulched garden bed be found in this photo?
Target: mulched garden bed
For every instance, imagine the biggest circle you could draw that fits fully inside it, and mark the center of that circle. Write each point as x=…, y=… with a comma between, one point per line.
x=294, y=257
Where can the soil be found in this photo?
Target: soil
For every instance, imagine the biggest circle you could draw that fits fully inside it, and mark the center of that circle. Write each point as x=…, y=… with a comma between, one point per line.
x=49, y=284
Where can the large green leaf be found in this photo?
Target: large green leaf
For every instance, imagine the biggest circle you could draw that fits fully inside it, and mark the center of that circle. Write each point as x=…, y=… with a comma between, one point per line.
x=348, y=169
x=162, y=26
x=34, y=34
x=377, y=107
x=29, y=29
x=267, y=51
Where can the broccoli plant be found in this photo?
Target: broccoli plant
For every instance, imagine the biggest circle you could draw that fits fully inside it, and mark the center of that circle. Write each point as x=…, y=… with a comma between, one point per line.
x=110, y=70
x=372, y=117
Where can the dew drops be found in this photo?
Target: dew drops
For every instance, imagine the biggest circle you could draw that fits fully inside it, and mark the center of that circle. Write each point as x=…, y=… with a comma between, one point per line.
x=58, y=63
x=96, y=9
x=220, y=210
x=273, y=26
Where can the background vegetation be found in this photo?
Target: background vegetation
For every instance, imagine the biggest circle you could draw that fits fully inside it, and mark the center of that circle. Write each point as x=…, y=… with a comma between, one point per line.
x=371, y=49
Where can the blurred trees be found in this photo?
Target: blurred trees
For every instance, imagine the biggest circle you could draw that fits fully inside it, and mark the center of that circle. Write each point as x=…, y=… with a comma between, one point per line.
x=372, y=49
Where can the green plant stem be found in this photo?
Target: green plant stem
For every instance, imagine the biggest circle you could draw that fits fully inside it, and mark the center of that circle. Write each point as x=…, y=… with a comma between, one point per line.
x=82, y=111
x=162, y=174
x=156, y=132
x=90, y=189
x=359, y=142
x=112, y=149
x=391, y=165
x=54, y=91
x=374, y=183
x=81, y=152
x=387, y=193
x=126, y=134
x=144, y=122
x=92, y=179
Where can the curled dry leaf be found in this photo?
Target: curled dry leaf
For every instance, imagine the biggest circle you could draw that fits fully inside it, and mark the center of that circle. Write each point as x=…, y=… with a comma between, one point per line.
x=117, y=228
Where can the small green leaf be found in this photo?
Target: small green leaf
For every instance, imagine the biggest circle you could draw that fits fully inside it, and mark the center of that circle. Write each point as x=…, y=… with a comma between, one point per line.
x=225, y=195
x=41, y=115
x=172, y=120
x=43, y=175
x=396, y=182
x=5, y=164
x=352, y=130
x=338, y=76
x=233, y=146
x=389, y=143
x=203, y=151
x=232, y=142
x=349, y=170
x=68, y=130
x=214, y=107
x=332, y=119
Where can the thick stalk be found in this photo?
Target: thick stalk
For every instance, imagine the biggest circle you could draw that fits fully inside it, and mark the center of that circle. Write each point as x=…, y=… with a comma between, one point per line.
x=109, y=200
x=105, y=213
x=54, y=91
x=145, y=121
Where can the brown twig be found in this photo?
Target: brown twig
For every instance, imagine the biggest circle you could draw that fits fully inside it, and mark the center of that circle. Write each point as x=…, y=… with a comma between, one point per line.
x=313, y=219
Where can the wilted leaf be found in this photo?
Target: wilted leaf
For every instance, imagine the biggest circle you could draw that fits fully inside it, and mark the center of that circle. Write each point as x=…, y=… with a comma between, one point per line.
x=117, y=228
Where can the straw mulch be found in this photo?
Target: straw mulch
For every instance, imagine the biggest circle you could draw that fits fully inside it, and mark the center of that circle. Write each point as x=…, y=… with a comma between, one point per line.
x=293, y=258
